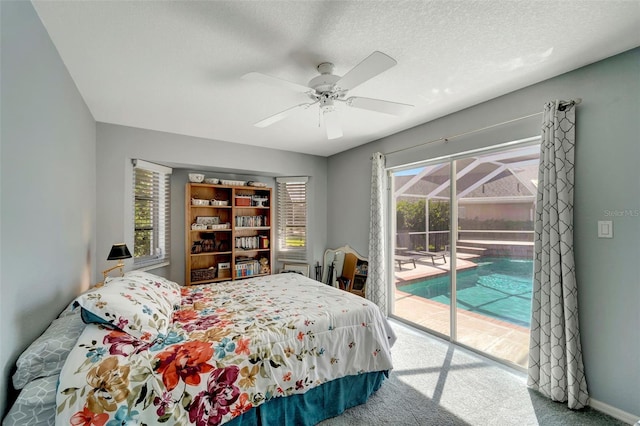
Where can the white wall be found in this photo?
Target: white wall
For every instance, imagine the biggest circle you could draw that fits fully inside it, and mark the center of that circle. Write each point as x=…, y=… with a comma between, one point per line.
x=48, y=186
x=117, y=145
x=607, y=179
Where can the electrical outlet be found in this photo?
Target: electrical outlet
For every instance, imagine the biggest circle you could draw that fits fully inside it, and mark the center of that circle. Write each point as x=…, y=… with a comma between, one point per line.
x=605, y=229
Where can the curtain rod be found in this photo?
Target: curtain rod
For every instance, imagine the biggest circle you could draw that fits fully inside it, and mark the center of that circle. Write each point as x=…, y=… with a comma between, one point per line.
x=562, y=106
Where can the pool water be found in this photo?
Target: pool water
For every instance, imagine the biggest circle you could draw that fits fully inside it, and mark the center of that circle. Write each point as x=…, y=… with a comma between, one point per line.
x=498, y=288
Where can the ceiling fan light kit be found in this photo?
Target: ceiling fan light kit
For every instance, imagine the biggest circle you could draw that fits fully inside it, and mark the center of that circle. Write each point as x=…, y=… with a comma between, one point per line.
x=328, y=88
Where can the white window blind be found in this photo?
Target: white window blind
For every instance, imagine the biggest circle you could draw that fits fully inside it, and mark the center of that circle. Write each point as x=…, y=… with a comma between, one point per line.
x=152, y=214
x=292, y=218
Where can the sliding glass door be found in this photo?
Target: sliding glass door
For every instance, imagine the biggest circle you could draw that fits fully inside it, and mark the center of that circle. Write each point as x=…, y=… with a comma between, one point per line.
x=463, y=249
x=422, y=205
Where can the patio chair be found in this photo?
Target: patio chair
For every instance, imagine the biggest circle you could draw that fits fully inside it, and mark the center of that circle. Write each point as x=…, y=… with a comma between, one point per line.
x=431, y=254
x=405, y=259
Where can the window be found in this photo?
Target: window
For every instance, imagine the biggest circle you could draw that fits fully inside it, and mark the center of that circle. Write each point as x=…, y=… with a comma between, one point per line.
x=292, y=218
x=151, y=216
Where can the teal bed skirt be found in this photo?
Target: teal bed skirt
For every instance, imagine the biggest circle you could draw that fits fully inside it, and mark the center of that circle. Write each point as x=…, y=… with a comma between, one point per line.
x=317, y=404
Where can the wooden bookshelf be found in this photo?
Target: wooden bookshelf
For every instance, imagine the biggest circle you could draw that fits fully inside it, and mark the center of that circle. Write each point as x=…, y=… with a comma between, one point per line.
x=237, y=232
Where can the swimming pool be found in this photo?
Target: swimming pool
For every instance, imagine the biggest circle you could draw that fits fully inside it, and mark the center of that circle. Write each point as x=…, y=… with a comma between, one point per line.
x=498, y=288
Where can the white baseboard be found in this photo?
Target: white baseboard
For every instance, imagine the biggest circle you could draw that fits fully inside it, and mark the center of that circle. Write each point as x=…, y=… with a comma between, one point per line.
x=614, y=412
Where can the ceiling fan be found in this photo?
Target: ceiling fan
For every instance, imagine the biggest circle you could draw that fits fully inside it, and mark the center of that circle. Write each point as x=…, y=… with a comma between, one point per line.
x=327, y=89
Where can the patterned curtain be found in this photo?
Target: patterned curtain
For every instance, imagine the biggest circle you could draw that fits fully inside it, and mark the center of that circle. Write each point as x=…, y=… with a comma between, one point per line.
x=555, y=354
x=376, y=287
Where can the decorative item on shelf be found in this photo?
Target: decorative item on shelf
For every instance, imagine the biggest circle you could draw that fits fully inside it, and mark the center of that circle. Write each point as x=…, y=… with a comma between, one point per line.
x=196, y=177
x=223, y=245
x=118, y=252
x=208, y=220
x=203, y=274
x=197, y=202
x=213, y=181
x=196, y=247
x=220, y=226
x=208, y=242
x=264, y=266
x=259, y=201
x=224, y=270
x=243, y=200
x=198, y=226
x=219, y=203
x=232, y=182
x=257, y=184
x=208, y=245
x=264, y=242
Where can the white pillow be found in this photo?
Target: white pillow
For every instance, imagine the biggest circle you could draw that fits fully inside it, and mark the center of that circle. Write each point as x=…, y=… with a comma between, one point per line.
x=128, y=304
x=161, y=285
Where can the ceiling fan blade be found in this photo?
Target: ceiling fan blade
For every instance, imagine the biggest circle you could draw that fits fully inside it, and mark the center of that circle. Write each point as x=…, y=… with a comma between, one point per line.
x=263, y=78
x=332, y=124
x=387, y=107
x=281, y=115
x=371, y=66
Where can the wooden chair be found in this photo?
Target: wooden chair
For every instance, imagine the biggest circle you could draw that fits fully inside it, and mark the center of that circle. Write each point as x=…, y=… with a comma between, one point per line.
x=349, y=271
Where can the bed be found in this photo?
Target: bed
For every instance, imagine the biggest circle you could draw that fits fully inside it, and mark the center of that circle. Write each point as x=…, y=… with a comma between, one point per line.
x=280, y=349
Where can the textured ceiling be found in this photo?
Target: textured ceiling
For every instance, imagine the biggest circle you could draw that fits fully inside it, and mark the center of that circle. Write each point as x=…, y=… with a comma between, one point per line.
x=176, y=66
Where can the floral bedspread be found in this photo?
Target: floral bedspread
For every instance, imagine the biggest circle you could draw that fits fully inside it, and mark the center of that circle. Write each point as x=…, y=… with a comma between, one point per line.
x=231, y=347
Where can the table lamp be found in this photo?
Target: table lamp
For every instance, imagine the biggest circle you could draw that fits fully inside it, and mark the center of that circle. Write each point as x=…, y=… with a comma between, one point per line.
x=118, y=252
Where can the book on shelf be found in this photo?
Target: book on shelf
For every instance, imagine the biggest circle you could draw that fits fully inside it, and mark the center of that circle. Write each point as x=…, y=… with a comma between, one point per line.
x=247, y=268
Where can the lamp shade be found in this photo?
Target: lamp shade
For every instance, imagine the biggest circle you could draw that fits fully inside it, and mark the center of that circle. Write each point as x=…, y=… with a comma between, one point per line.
x=119, y=251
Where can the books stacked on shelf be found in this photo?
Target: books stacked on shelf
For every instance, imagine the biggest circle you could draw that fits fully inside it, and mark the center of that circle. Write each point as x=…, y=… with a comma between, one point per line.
x=247, y=268
x=248, y=243
x=251, y=221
